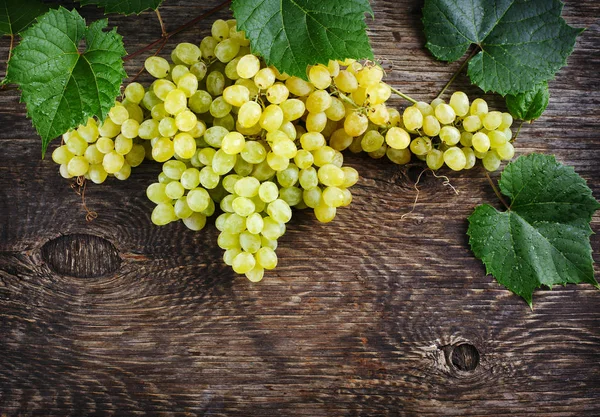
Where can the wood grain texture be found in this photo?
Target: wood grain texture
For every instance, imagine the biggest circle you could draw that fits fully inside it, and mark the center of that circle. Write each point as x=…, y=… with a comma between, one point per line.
x=371, y=315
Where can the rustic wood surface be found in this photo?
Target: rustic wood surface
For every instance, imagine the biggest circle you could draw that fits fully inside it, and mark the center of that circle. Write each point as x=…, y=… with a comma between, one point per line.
x=369, y=315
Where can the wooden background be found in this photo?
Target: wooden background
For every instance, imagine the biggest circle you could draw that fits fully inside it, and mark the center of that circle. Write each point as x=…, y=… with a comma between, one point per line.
x=369, y=315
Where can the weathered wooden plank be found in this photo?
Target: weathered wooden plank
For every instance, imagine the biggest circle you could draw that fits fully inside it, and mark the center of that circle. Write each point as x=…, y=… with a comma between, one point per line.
x=360, y=318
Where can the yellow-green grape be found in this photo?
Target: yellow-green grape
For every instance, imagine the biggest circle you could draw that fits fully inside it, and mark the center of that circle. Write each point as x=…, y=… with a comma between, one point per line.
x=215, y=83
x=331, y=175
x=424, y=108
x=156, y=193
x=158, y=112
x=238, y=36
x=492, y=120
x=355, y=146
x=136, y=155
x=167, y=127
x=333, y=196
x=123, y=145
x=89, y=132
x=497, y=138
x=250, y=242
x=398, y=156
x=77, y=166
x=271, y=118
x=470, y=157
x=195, y=222
x=395, y=117
x=472, y=123
x=182, y=210
x=200, y=102
x=308, y=178
x=198, y=199
x=324, y=213
x=356, y=124
x=109, y=128
x=506, y=151
x=198, y=130
x=113, y=162
x=445, y=114
x=130, y=128
x=316, y=122
x=435, y=159
x=184, y=145
x=312, y=197
x=243, y=263
x=466, y=139
x=209, y=179
x=162, y=87
x=268, y=191
x=188, y=83
x=289, y=129
x=175, y=102
x=62, y=154
x=222, y=163
x=248, y=66
x=277, y=162
x=412, y=118
x=266, y=258
x=318, y=101
x=179, y=71
x=135, y=112
x=231, y=69
x=491, y=161
x=229, y=182
x=508, y=133
x=378, y=114
x=292, y=109
x=371, y=141
x=459, y=101
x=105, y=145
x=333, y=67
x=219, y=108
x=174, y=190
x=378, y=153
x=253, y=152
x=243, y=206
x=298, y=86
x=436, y=102
x=264, y=78
x=220, y=30
x=97, y=173
x=320, y=77
x=148, y=129
x=163, y=214
x=479, y=107
x=214, y=136
x=350, y=177
x=236, y=95
x=277, y=93
x=150, y=100
x=481, y=142
x=174, y=169
x=336, y=111
x=285, y=148
x=431, y=126
x=163, y=149
x=233, y=143
x=226, y=50
x=397, y=138
x=279, y=211
x=263, y=171
x=135, y=92
x=157, y=67
x=449, y=135
x=249, y=114
x=345, y=81
x=207, y=48
x=303, y=159
x=455, y=158
x=188, y=53
x=76, y=144
x=507, y=121
x=289, y=176
x=311, y=141
x=369, y=76
x=479, y=155
x=234, y=223
x=249, y=84
x=186, y=121
x=247, y=187
x=420, y=145
x=340, y=140
x=378, y=93
x=324, y=155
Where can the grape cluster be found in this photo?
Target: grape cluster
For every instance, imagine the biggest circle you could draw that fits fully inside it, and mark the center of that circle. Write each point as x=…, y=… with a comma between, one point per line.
x=236, y=135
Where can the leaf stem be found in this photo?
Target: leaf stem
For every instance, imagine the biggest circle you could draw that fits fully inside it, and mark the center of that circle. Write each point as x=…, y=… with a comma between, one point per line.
x=10, y=48
x=162, y=24
x=168, y=35
x=518, y=131
x=496, y=191
x=458, y=71
x=404, y=96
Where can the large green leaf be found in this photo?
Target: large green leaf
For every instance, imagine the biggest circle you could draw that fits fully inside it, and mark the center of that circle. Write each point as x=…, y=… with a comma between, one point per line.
x=125, y=7
x=292, y=34
x=544, y=238
x=16, y=15
x=61, y=86
x=523, y=42
x=529, y=105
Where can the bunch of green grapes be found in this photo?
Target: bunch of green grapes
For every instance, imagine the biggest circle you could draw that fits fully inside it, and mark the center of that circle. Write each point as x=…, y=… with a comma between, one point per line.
x=111, y=148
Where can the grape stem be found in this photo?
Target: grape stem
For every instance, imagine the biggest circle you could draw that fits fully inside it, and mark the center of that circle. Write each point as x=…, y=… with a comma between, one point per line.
x=10, y=48
x=460, y=69
x=518, y=131
x=168, y=35
x=496, y=191
x=162, y=24
x=401, y=94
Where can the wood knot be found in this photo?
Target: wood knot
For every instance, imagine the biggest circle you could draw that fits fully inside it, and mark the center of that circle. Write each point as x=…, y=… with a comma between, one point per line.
x=81, y=256
x=464, y=357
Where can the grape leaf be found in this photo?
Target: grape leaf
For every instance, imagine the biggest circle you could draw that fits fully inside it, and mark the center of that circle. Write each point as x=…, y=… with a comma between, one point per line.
x=529, y=105
x=523, y=42
x=16, y=15
x=544, y=237
x=125, y=7
x=62, y=87
x=292, y=34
